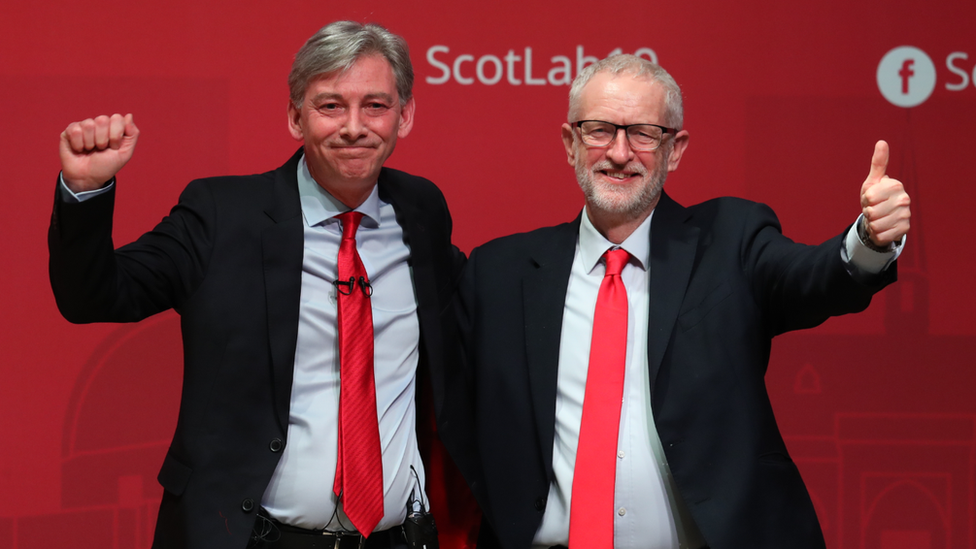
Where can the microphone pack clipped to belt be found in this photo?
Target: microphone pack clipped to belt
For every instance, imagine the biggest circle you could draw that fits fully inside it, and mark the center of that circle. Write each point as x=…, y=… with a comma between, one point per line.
x=419, y=528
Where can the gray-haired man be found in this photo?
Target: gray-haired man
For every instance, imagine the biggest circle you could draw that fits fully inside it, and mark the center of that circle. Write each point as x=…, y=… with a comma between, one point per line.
x=251, y=263
x=619, y=359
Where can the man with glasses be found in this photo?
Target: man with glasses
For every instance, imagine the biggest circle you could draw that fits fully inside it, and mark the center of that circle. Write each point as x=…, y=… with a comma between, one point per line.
x=617, y=361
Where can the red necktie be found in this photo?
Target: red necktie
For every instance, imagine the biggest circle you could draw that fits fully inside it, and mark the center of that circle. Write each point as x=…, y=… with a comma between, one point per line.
x=359, y=471
x=591, y=510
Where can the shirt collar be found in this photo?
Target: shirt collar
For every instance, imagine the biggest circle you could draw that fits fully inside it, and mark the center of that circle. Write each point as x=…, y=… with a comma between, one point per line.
x=593, y=244
x=320, y=207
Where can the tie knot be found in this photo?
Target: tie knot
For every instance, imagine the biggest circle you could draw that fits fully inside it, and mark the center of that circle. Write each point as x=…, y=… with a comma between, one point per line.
x=350, y=223
x=616, y=259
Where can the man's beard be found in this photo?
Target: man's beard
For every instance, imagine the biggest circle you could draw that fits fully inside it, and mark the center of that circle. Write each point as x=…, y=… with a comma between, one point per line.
x=630, y=200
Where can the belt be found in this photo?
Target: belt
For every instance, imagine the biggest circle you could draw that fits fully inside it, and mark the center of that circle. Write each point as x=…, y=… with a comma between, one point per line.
x=271, y=534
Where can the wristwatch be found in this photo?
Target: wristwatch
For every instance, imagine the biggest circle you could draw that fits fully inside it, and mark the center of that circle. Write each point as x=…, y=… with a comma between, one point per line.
x=865, y=237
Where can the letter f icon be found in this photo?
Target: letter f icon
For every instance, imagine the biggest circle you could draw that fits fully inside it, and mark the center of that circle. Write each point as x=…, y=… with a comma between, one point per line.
x=905, y=73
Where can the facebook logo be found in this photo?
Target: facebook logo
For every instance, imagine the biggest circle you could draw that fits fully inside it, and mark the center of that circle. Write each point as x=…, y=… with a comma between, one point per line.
x=905, y=73
x=906, y=76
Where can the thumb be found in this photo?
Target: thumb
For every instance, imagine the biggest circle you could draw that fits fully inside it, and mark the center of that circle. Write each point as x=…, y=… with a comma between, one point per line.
x=130, y=135
x=131, y=131
x=879, y=162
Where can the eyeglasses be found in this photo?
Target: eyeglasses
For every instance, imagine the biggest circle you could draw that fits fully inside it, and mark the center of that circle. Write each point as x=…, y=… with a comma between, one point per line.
x=642, y=137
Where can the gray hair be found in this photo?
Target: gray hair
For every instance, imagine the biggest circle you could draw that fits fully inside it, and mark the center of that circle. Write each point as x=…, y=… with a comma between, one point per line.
x=336, y=46
x=639, y=68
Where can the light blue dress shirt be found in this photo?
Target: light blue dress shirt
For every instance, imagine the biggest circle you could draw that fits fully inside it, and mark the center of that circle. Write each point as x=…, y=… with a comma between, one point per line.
x=300, y=492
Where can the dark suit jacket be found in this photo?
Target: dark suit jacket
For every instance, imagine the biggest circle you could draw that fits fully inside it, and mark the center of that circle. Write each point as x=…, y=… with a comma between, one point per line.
x=228, y=258
x=723, y=282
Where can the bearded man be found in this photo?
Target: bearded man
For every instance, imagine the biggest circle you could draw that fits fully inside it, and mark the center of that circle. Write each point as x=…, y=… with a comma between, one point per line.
x=617, y=361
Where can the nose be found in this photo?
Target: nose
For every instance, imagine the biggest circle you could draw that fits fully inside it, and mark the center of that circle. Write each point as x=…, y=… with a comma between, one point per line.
x=353, y=127
x=619, y=151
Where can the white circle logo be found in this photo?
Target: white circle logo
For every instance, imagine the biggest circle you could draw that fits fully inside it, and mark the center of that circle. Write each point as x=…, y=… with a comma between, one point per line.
x=906, y=76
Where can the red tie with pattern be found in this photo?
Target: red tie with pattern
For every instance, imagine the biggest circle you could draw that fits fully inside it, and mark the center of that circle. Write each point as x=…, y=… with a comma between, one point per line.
x=591, y=509
x=359, y=471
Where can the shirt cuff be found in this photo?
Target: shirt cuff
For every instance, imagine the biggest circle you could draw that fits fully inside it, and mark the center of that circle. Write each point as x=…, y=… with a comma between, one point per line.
x=70, y=197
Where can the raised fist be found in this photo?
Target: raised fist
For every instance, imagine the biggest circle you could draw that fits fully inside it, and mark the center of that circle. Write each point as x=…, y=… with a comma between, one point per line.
x=94, y=150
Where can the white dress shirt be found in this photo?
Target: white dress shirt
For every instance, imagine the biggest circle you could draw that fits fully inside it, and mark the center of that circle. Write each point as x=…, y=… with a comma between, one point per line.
x=650, y=513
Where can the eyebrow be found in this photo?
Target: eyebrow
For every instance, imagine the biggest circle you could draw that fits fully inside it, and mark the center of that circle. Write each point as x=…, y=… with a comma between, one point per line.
x=370, y=96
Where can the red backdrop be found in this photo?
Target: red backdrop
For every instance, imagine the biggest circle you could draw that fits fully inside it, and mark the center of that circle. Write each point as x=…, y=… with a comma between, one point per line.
x=783, y=103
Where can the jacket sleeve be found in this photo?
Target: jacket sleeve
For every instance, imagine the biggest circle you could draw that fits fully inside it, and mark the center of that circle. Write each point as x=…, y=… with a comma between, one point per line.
x=800, y=286
x=93, y=282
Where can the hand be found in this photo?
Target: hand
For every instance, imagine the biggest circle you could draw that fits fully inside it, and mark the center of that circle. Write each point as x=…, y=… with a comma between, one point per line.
x=884, y=202
x=94, y=150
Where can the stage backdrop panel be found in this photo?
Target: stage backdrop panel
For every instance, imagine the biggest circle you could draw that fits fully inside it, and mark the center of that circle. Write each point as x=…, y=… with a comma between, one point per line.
x=783, y=101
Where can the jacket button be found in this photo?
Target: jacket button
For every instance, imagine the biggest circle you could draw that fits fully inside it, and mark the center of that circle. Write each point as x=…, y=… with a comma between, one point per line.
x=247, y=505
x=540, y=504
x=276, y=445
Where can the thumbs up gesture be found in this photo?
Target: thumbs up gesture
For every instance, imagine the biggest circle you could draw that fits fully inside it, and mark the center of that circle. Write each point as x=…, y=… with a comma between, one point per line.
x=884, y=202
x=94, y=150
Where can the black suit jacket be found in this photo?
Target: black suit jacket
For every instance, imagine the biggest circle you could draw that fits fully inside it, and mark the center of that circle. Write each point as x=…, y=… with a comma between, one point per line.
x=228, y=258
x=723, y=282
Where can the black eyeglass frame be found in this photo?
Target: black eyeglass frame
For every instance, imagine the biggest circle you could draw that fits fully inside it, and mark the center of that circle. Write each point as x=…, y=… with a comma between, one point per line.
x=617, y=127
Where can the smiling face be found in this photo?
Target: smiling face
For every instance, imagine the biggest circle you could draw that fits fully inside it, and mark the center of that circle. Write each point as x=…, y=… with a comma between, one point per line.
x=350, y=121
x=617, y=180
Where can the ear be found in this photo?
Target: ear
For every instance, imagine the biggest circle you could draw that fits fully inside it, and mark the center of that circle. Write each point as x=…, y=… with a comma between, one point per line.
x=680, y=144
x=569, y=144
x=406, y=118
x=295, y=122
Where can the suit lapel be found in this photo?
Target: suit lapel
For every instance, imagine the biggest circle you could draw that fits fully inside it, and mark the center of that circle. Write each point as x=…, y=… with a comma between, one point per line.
x=425, y=275
x=415, y=236
x=544, y=299
x=283, y=252
x=425, y=272
x=674, y=242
